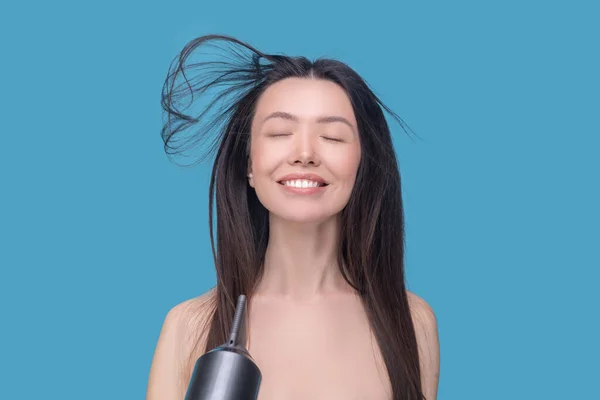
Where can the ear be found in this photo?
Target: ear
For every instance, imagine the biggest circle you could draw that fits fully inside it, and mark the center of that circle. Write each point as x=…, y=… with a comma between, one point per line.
x=250, y=174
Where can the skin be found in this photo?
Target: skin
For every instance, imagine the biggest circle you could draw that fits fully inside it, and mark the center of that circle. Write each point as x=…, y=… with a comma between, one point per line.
x=308, y=331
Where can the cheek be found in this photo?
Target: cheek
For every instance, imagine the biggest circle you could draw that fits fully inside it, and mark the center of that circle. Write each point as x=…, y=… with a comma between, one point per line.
x=266, y=159
x=344, y=164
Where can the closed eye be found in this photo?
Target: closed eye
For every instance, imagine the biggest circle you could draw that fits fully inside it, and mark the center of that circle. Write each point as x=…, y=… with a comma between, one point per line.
x=330, y=139
x=279, y=134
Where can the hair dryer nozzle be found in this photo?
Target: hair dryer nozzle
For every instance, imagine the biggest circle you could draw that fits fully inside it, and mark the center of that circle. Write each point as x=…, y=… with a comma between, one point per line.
x=237, y=335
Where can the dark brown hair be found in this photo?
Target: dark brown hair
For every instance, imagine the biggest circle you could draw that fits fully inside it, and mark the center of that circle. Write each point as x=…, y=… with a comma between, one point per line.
x=371, y=247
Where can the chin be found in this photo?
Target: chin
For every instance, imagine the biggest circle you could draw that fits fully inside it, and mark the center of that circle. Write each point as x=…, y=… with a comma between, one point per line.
x=306, y=217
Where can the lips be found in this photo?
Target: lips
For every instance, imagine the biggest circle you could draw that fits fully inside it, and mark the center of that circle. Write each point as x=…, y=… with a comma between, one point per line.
x=303, y=176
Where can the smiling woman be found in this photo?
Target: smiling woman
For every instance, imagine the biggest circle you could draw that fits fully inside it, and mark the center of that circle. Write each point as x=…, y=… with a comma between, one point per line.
x=310, y=228
x=320, y=139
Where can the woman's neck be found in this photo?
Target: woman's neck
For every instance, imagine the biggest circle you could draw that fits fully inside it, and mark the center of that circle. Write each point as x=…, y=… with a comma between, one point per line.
x=301, y=261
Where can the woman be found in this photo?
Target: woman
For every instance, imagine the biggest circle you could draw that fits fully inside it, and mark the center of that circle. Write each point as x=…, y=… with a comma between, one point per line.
x=309, y=227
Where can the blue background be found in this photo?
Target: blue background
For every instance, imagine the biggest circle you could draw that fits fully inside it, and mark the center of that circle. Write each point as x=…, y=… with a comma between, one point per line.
x=101, y=235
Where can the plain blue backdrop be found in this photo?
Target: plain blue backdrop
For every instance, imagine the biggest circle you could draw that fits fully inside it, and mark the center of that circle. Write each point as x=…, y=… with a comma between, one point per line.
x=101, y=234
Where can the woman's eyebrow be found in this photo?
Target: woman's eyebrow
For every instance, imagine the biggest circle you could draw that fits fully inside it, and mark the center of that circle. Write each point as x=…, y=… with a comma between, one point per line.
x=321, y=120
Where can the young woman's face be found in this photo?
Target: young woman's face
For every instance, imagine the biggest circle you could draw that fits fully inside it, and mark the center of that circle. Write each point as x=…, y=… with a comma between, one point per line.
x=305, y=149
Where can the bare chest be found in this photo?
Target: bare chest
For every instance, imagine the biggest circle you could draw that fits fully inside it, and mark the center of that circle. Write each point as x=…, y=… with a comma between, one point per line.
x=318, y=351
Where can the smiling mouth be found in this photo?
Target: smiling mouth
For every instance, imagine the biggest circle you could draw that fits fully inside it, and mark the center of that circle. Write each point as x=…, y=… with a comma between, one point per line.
x=302, y=183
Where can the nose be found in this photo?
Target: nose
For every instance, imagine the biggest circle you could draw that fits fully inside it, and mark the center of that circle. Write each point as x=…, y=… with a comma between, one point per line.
x=304, y=152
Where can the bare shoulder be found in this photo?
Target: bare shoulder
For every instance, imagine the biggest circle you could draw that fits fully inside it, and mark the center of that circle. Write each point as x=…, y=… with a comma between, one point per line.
x=182, y=320
x=194, y=310
x=183, y=334
x=421, y=311
x=426, y=331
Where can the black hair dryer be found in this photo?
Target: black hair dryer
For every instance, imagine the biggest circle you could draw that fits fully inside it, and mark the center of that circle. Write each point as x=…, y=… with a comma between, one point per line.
x=227, y=372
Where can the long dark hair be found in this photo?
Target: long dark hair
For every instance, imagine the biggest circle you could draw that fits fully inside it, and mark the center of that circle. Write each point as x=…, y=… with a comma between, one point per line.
x=371, y=247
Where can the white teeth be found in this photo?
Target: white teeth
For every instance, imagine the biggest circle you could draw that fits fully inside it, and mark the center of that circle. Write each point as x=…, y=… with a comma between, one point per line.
x=301, y=183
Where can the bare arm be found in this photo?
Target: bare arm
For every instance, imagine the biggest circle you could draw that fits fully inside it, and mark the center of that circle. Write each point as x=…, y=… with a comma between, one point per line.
x=426, y=331
x=181, y=331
